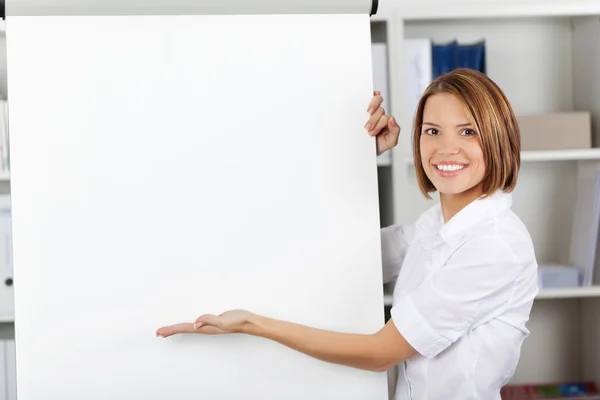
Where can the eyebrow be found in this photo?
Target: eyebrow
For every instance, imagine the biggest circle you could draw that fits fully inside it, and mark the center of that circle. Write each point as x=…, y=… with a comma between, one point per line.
x=437, y=126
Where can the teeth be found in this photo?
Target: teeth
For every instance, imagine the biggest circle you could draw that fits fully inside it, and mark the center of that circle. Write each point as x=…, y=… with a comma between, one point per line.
x=449, y=168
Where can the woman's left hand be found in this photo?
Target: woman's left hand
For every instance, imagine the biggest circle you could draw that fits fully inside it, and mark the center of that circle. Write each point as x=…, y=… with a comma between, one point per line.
x=232, y=321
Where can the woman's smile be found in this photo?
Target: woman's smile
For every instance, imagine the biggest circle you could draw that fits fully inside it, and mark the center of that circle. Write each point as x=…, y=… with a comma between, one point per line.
x=449, y=169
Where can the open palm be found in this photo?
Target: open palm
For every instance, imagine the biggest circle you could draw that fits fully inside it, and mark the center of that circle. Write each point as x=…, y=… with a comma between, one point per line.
x=232, y=321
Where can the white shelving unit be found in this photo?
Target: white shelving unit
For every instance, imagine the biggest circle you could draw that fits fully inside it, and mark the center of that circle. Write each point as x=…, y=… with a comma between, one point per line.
x=545, y=55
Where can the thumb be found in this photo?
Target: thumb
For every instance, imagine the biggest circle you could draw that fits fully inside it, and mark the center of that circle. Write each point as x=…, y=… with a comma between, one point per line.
x=206, y=319
x=392, y=123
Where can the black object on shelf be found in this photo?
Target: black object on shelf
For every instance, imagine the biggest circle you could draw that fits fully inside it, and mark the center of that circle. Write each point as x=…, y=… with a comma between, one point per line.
x=374, y=7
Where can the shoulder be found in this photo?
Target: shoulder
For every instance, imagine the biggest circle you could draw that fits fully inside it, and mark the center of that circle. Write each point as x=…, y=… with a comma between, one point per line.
x=503, y=243
x=506, y=230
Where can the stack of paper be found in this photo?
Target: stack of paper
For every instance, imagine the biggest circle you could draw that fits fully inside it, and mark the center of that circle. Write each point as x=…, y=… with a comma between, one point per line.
x=8, y=377
x=417, y=71
x=4, y=142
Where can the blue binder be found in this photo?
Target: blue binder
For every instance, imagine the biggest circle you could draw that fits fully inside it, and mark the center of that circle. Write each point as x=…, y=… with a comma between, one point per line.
x=449, y=56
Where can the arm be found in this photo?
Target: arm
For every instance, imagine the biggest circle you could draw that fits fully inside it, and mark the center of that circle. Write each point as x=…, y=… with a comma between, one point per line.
x=376, y=352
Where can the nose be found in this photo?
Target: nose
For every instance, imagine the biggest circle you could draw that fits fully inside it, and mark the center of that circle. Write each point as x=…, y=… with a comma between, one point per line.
x=448, y=145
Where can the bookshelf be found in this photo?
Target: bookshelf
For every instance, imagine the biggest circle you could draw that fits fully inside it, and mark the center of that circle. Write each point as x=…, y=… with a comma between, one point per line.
x=544, y=55
x=6, y=322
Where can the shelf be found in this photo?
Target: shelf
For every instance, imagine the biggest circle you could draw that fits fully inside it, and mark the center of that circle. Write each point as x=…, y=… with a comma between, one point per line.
x=387, y=299
x=5, y=319
x=568, y=293
x=558, y=155
x=461, y=9
x=546, y=294
x=384, y=160
x=551, y=155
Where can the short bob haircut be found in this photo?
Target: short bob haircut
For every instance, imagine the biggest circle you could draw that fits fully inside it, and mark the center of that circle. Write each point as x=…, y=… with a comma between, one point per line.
x=490, y=113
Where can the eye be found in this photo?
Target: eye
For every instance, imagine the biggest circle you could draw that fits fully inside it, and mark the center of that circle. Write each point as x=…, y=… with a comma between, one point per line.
x=431, y=131
x=468, y=132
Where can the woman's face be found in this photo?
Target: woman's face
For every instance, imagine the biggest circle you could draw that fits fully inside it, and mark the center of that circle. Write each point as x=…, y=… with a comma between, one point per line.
x=451, y=151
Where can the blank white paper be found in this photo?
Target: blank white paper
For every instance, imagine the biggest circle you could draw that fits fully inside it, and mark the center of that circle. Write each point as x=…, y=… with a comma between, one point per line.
x=164, y=167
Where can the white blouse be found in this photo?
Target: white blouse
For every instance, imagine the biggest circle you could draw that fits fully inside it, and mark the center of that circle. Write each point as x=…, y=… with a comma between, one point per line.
x=462, y=298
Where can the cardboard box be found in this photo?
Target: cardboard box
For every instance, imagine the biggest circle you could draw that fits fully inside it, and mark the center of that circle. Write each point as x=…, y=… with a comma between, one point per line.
x=556, y=131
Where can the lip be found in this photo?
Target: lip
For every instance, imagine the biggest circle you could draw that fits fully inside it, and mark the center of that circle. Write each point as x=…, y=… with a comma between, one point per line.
x=449, y=174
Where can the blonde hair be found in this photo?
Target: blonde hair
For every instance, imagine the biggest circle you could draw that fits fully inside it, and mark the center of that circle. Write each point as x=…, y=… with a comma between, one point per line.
x=493, y=118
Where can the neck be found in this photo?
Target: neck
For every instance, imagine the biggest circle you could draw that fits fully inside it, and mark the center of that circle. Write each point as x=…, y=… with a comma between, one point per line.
x=453, y=203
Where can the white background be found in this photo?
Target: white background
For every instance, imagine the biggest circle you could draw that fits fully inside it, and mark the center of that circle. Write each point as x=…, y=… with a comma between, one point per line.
x=253, y=126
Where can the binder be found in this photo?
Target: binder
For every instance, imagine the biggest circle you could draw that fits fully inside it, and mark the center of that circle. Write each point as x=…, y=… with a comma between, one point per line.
x=471, y=56
x=443, y=58
x=3, y=382
x=11, y=369
x=7, y=304
x=7, y=301
x=452, y=55
x=586, y=220
x=417, y=71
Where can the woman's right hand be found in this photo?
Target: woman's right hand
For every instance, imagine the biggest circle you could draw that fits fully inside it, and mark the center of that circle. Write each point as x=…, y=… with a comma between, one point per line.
x=382, y=126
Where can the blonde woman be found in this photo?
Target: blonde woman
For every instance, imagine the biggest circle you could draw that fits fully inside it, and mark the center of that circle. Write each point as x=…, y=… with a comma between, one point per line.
x=465, y=270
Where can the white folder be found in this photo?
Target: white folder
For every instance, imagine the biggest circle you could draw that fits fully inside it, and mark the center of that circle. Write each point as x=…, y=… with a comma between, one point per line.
x=417, y=72
x=3, y=384
x=381, y=83
x=10, y=369
x=7, y=304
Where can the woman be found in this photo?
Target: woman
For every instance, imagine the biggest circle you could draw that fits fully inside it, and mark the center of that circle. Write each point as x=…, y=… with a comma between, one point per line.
x=465, y=271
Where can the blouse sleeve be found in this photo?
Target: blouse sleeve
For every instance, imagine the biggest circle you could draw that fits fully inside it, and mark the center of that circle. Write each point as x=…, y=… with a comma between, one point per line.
x=395, y=240
x=474, y=285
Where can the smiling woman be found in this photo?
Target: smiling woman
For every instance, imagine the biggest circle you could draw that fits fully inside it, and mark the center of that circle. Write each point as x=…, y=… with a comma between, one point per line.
x=465, y=271
x=463, y=120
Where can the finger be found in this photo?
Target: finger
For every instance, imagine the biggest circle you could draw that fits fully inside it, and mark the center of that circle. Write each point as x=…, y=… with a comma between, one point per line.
x=394, y=129
x=382, y=123
x=164, y=332
x=171, y=330
x=374, y=119
x=375, y=103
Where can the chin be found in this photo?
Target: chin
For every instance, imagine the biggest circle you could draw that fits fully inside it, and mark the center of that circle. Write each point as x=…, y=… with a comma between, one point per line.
x=454, y=190
x=451, y=191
